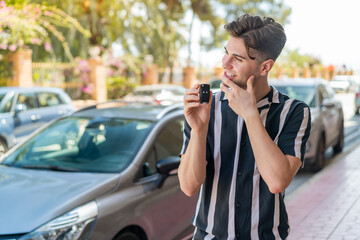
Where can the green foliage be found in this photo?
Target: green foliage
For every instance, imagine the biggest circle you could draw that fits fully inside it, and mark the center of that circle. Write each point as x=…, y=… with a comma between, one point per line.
x=119, y=86
x=32, y=24
x=5, y=71
x=296, y=59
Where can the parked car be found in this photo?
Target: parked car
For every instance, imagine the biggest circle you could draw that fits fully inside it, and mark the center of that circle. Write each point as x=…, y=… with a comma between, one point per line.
x=357, y=102
x=105, y=172
x=23, y=110
x=345, y=83
x=215, y=84
x=164, y=94
x=327, y=119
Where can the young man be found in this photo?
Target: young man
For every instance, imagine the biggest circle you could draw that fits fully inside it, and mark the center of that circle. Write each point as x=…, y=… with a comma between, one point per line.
x=243, y=149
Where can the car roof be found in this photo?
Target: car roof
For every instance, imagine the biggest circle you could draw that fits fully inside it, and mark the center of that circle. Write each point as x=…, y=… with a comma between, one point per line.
x=158, y=86
x=128, y=110
x=30, y=89
x=297, y=82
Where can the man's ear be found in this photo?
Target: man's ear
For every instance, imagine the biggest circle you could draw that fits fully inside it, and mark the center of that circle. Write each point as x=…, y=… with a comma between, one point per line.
x=266, y=66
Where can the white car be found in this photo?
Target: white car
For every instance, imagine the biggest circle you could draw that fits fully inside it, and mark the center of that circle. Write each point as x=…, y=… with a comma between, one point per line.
x=327, y=118
x=163, y=94
x=345, y=83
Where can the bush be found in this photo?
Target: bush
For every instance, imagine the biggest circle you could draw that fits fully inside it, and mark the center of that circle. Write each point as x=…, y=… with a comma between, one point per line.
x=117, y=87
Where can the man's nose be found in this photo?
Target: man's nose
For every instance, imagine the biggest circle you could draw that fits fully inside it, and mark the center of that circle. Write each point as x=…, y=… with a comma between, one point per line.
x=226, y=62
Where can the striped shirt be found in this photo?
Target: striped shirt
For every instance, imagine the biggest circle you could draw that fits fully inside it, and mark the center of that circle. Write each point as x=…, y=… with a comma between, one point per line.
x=234, y=201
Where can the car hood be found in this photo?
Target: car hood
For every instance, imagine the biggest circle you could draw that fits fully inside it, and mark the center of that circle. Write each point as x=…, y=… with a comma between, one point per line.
x=29, y=198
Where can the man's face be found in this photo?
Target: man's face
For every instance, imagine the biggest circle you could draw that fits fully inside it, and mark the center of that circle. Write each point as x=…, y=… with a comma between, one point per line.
x=238, y=67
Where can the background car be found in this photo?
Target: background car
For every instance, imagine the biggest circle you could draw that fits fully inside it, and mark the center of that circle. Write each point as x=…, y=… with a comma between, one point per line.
x=357, y=102
x=105, y=172
x=164, y=94
x=215, y=85
x=23, y=110
x=327, y=119
x=345, y=83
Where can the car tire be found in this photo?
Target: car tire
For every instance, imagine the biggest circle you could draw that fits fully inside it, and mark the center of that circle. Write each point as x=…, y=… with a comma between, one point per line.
x=320, y=155
x=3, y=147
x=357, y=111
x=127, y=236
x=340, y=143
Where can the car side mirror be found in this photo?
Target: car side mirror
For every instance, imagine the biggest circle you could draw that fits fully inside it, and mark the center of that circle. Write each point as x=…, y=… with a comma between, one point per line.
x=20, y=107
x=327, y=103
x=165, y=166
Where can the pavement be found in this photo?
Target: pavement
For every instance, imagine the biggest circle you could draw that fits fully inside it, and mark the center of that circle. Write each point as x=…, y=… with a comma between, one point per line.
x=328, y=205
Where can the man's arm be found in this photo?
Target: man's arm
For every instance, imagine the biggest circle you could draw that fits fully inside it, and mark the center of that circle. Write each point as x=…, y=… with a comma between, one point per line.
x=192, y=169
x=276, y=168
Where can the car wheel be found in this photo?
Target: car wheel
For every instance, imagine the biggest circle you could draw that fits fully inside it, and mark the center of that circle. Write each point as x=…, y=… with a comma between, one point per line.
x=127, y=236
x=320, y=155
x=340, y=143
x=3, y=147
x=357, y=111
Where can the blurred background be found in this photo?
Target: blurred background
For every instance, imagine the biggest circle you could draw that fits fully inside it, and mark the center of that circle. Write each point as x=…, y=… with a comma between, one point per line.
x=101, y=49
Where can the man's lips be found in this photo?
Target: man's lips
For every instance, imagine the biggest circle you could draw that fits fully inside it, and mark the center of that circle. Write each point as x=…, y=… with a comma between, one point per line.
x=228, y=77
x=231, y=77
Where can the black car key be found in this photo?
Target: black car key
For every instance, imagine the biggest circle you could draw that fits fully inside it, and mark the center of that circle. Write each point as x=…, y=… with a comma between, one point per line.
x=204, y=93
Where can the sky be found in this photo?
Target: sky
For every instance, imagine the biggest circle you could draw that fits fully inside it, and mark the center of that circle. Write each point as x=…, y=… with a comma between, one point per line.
x=326, y=29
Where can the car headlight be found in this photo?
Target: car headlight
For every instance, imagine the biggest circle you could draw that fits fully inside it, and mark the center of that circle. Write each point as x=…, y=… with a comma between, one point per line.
x=76, y=224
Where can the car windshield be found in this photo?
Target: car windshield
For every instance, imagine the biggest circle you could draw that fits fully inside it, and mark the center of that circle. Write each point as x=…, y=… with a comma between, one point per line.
x=2, y=95
x=83, y=144
x=215, y=84
x=303, y=93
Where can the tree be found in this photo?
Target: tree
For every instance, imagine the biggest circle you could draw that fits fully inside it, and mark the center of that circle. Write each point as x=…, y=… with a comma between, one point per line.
x=156, y=27
x=29, y=25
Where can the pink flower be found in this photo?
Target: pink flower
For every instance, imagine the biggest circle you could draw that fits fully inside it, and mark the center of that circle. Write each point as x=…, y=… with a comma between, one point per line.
x=12, y=47
x=35, y=41
x=3, y=46
x=48, y=13
x=2, y=3
x=47, y=46
x=86, y=89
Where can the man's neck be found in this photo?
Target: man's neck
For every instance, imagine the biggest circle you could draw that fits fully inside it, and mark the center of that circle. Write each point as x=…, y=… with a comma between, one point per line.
x=261, y=90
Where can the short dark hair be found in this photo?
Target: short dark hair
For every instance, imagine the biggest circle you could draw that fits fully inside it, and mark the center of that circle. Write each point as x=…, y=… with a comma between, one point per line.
x=264, y=35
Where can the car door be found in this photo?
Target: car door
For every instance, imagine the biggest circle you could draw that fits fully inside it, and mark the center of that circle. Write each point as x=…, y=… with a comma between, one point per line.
x=329, y=114
x=171, y=210
x=26, y=120
x=51, y=106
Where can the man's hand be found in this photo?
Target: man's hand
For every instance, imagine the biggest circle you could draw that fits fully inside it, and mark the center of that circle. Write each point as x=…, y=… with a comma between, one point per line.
x=197, y=115
x=242, y=102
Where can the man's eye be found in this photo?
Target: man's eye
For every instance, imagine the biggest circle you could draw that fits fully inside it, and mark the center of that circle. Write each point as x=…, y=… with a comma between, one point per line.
x=238, y=59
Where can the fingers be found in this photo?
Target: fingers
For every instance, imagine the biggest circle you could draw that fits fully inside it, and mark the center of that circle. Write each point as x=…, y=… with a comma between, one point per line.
x=250, y=83
x=191, y=98
x=227, y=82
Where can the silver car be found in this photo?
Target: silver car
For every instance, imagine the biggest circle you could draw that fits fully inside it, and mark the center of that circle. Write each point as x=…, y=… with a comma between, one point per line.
x=105, y=172
x=327, y=119
x=23, y=110
x=164, y=94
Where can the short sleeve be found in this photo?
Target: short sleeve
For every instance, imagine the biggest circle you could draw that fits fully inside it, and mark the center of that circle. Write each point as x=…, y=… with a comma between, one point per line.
x=296, y=130
x=186, y=138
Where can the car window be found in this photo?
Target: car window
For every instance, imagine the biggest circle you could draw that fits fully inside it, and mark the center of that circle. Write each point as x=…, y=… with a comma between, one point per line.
x=6, y=104
x=28, y=99
x=47, y=99
x=168, y=143
x=215, y=84
x=84, y=144
x=2, y=96
x=303, y=93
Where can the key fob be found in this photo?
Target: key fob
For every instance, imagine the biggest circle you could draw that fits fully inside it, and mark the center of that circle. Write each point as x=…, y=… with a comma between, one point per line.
x=204, y=93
